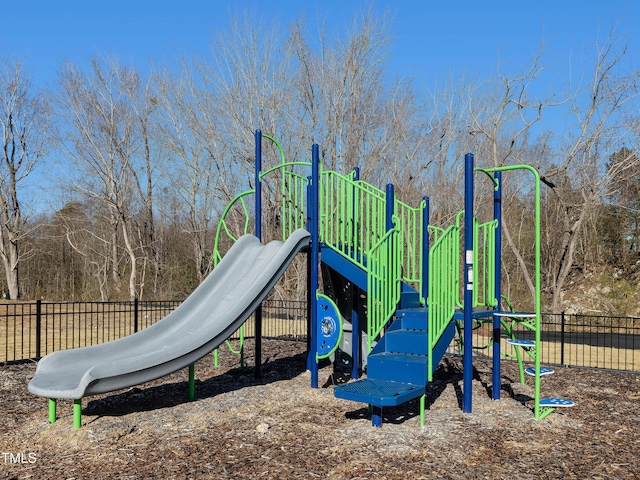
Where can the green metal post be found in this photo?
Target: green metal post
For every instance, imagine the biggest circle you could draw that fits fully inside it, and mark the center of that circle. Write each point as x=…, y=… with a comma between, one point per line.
x=215, y=357
x=192, y=383
x=77, y=413
x=538, y=413
x=53, y=403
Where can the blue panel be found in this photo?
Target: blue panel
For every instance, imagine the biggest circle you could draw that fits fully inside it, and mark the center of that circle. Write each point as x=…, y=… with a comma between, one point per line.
x=413, y=319
x=442, y=345
x=329, y=327
x=409, y=300
x=398, y=367
x=344, y=267
x=407, y=341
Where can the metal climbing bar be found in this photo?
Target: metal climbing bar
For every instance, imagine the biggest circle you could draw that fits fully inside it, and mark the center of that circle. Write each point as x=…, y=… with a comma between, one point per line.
x=237, y=207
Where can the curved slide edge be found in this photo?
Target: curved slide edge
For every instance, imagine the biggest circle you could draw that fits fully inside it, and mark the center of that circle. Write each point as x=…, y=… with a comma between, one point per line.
x=216, y=309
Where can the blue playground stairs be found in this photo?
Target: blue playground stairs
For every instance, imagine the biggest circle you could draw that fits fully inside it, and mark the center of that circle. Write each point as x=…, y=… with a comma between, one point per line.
x=397, y=366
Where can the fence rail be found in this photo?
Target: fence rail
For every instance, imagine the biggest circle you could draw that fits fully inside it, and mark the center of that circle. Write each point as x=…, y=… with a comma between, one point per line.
x=30, y=330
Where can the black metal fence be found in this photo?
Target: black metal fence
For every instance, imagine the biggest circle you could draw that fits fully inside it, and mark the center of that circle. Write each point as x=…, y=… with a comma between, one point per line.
x=31, y=330
x=576, y=340
x=281, y=319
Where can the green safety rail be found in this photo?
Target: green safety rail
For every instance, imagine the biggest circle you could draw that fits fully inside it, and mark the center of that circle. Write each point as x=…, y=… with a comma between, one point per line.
x=532, y=323
x=484, y=241
x=292, y=198
x=444, y=284
x=353, y=223
x=411, y=226
x=225, y=225
x=352, y=216
x=383, y=284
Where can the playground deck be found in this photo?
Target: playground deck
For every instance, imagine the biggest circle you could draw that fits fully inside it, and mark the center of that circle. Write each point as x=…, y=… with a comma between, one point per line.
x=152, y=431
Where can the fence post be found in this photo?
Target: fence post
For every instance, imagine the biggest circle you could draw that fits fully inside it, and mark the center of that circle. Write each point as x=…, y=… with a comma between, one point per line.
x=38, y=327
x=135, y=315
x=562, y=320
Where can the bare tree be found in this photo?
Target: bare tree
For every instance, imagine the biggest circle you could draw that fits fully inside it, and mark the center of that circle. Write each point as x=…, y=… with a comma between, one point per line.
x=102, y=136
x=579, y=179
x=343, y=102
x=24, y=118
x=199, y=171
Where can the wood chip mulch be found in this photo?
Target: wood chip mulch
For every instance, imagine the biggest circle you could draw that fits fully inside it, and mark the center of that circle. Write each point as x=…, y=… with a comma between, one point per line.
x=280, y=428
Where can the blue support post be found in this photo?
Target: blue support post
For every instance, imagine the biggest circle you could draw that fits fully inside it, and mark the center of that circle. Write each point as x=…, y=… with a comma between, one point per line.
x=468, y=284
x=312, y=363
x=390, y=206
x=355, y=332
x=425, y=250
x=376, y=416
x=258, y=182
x=258, y=214
x=497, y=215
x=310, y=293
x=355, y=294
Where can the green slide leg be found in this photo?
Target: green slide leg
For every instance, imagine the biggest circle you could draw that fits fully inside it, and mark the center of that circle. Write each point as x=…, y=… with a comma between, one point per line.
x=192, y=382
x=77, y=413
x=53, y=403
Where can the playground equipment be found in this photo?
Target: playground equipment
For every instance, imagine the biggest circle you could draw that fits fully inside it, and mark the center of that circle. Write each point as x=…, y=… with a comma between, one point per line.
x=378, y=245
x=366, y=240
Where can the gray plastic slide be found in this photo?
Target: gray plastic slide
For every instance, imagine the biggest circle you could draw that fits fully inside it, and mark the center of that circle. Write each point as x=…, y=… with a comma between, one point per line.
x=216, y=309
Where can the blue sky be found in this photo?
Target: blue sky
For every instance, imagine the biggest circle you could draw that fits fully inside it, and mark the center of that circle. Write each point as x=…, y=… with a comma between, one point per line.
x=433, y=39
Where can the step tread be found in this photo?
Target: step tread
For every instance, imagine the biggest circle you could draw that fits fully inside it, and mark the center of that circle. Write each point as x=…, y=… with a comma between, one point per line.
x=521, y=343
x=515, y=314
x=407, y=331
x=380, y=393
x=399, y=356
x=543, y=371
x=420, y=310
x=556, y=402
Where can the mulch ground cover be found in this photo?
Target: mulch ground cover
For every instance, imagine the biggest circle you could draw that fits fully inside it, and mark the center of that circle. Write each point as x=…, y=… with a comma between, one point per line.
x=278, y=427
